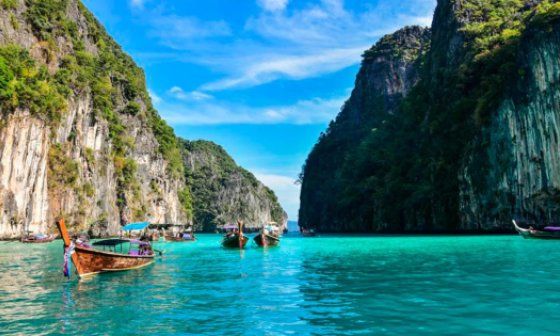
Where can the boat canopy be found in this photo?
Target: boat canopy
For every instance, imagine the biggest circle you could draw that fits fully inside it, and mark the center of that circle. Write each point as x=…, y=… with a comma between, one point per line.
x=135, y=226
x=230, y=227
x=118, y=241
x=111, y=242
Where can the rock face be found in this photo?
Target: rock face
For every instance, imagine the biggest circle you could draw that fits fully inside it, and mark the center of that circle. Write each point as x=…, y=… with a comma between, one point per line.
x=389, y=70
x=23, y=170
x=224, y=192
x=472, y=141
x=522, y=152
x=79, y=136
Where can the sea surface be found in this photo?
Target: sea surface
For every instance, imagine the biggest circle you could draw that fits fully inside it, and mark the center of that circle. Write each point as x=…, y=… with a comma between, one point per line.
x=331, y=285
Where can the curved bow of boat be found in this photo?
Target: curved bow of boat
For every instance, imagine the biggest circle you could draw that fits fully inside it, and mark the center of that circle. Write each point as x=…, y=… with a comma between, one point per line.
x=525, y=233
x=518, y=228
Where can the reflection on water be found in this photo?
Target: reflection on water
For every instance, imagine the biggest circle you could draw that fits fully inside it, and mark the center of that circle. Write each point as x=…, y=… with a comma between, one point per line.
x=326, y=285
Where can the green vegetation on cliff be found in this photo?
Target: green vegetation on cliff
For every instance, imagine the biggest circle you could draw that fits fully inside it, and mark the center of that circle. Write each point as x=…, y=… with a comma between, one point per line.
x=224, y=192
x=328, y=201
x=403, y=175
x=27, y=85
x=108, y=148
x=115, y=83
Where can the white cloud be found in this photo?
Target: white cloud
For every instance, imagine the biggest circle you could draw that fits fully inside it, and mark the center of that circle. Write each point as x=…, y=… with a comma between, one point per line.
x=177, y=32
x=292, y=67
x=292, y=43
x=286, y=190
x=273, y=5
x=311, y=111
x=178, y=93
x=425, y=21
x=155, y=98
x=137, y=3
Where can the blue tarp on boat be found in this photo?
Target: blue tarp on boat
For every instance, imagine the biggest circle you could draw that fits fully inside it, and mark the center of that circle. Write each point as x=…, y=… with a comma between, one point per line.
x=135, y=226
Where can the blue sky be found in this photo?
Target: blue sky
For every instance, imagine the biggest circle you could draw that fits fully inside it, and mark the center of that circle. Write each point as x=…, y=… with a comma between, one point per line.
x=262, y=78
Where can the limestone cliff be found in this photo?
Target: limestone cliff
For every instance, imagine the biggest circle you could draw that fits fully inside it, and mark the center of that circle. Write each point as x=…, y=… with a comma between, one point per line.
x=389, y=70
x=79, y=136
x=96, y=157
x=472, y=145
x=520, y=175
x=224, y=192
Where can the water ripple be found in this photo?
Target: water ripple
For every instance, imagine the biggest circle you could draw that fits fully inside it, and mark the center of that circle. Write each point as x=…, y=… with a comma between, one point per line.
x=320, y=286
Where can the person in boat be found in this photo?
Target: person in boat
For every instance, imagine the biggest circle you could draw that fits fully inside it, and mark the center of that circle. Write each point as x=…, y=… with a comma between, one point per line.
x=144, y=247
x=233, y=233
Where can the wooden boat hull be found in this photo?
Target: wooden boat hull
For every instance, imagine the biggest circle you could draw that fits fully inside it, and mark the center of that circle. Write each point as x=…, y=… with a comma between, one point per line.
x=89, y=261
x=270, y=240
x=536, y=234
x=92, y=261
x=235, y=242
x=180, y=239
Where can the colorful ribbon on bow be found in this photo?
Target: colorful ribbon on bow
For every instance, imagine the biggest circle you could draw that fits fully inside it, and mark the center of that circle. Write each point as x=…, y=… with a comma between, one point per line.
x=68, y=251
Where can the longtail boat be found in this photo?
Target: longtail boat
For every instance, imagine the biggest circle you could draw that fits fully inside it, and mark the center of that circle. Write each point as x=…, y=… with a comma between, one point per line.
x=172, y=232
x=268, y=236
x=548, y=232
x=182, y=235
x=89, y=261
x=307, y=232
x=234, y=239
x=37, y=239
x=185, y=237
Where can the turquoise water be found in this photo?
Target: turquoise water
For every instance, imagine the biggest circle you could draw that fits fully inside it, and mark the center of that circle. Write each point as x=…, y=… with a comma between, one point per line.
x=324, y=286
